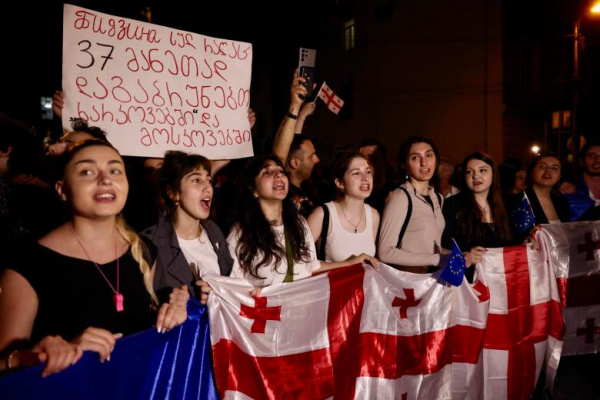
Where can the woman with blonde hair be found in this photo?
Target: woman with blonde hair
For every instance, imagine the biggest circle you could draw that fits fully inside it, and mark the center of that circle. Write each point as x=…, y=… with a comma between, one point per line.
x=86, y=283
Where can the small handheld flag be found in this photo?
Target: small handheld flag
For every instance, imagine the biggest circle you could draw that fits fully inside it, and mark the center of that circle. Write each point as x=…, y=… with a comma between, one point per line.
x=521, y=217
x=454, y=271
x=333, y=102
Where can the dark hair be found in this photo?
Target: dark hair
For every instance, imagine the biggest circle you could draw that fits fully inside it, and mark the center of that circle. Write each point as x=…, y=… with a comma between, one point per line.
x=593, y=142
x=470, y=217
x=341, y=164
x=176, y=165
x=536, y=160
x=65, y=158
x=381, y=151
x=79, y=125
x=507, y=178
x=405, y=151
x=257, y=245
x=296, y=143
x=25, y=155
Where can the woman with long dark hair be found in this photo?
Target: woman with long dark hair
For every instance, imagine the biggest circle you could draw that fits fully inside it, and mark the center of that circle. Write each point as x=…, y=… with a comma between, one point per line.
x=476, y=217
x=87, y=282
x=189, y=244
x=412, y=222
x=271, y=241
x=351, y=223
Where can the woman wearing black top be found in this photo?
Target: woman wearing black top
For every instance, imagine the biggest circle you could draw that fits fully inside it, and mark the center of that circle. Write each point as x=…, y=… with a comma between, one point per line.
x=87, y=282
x=476, y=217
x=543, y=174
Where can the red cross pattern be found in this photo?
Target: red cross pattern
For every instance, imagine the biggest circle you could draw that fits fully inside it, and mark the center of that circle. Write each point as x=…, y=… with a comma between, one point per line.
x=330, y=99
x=589, y=330
x=484, y=291
x=405, y=304
x=260, y=313
x=523, y=326
x=588, y=247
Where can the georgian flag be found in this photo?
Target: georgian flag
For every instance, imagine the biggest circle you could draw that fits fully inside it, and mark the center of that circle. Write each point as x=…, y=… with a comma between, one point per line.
x=362, y=333
x=524, y=328
x=573, y=252
x=332, y=101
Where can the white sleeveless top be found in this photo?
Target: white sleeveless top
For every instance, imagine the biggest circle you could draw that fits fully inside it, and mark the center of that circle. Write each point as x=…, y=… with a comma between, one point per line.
x=342, y=244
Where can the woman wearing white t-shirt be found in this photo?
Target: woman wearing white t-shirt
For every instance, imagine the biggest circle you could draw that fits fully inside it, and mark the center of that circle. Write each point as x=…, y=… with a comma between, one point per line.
x=352, y=224
x=189, y=245
x=270, y=241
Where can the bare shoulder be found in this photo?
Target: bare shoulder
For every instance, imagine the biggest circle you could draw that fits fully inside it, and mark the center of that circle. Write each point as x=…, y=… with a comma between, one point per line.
x=317, y=214
x=374, y=214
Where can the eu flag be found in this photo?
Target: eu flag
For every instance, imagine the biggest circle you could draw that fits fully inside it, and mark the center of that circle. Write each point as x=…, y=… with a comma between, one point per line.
x=146, y=365
x=521, y=217
x=454, y=271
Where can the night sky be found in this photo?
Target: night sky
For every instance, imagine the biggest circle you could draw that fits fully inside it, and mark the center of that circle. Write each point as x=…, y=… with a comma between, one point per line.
x=32, y=68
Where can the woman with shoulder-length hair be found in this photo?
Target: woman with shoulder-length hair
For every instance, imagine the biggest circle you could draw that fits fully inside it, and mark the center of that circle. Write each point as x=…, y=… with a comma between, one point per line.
x=543, y=175
x=351, y=223
x=87, y=282
x=270, y=240
x=412, y=222
x=189, y=245
x=476, y=217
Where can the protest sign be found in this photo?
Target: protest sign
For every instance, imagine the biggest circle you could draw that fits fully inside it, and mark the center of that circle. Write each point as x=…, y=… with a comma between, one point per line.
x=154, y=88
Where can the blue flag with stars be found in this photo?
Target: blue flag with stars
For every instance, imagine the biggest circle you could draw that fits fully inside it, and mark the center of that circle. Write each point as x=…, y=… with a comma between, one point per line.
x=454, y=271
x=521, y=217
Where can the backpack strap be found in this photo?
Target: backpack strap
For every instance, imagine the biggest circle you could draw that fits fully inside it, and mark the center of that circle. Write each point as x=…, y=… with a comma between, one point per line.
x=407, y=219
x=324, y=230
x=439, y=197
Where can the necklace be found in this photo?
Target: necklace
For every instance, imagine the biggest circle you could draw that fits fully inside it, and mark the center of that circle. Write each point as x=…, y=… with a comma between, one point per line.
x=118, y=297
x=359, y=221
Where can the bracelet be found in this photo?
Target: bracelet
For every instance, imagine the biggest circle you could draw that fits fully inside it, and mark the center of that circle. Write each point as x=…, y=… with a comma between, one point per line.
x=9, y=358
x=291, y=115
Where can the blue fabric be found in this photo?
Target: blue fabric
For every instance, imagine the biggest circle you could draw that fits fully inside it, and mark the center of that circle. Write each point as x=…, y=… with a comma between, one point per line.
x=521, y=217
x=580, y=201
x=147, y=365
x=454, y=271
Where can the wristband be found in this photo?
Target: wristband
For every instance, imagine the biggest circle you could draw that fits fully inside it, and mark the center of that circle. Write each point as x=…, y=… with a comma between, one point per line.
x=9, y=359
x=291, y=115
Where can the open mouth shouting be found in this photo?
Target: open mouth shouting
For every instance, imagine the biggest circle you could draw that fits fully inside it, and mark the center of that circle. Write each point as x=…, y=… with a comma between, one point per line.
x=105, y=196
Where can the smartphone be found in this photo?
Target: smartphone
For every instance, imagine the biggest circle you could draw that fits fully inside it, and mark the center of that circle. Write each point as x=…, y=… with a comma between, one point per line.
x=308, y=74
x=306, y=67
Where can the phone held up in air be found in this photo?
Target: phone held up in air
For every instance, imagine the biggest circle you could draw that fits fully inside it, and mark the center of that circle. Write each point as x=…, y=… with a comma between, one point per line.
x=306, y=67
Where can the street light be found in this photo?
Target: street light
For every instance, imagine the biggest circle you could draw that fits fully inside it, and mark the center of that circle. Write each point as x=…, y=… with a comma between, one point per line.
x=595, y=9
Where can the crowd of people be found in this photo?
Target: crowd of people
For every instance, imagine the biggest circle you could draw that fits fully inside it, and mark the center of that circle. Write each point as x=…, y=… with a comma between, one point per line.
x=92, y=260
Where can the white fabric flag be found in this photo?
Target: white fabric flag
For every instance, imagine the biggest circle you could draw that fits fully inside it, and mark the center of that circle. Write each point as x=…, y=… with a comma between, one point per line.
x=332, y=101
x=573, y=251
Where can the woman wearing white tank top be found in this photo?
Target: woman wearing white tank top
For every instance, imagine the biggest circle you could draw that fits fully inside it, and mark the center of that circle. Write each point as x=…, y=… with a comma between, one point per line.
x=353, y=225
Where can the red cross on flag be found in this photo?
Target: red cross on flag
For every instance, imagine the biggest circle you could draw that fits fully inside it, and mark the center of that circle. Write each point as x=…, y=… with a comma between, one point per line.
x=574, y=252
x=360, y=333
x=524, y=325
x=333, y=102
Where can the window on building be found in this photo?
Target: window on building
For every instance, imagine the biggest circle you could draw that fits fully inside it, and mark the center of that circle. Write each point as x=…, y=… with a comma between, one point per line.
x=349, y=39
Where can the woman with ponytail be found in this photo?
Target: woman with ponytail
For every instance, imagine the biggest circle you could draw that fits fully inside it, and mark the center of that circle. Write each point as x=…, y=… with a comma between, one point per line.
x=86, y=283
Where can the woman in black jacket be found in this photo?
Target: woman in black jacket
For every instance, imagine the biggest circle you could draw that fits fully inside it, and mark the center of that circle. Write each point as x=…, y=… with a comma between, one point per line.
x=547, y=205
x=189, y=245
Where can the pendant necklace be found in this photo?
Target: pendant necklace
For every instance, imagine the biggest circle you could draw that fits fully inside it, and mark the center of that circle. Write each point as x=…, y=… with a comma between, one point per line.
x=359, y=221
x=118, y=297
